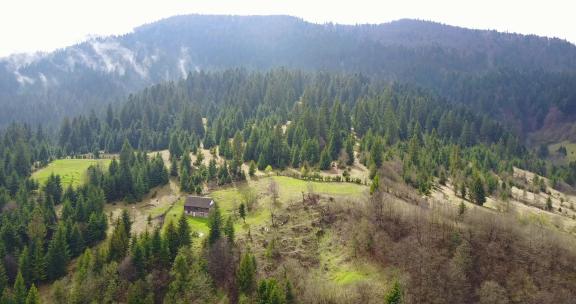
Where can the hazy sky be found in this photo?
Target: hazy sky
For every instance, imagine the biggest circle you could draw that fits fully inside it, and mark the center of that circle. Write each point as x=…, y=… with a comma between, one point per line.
x=44, y=25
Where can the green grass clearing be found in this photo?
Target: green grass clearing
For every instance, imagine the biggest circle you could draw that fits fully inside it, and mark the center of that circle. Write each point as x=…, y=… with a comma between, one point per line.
x=156, y=211
x=71, y=171
x=292, y=188
x=229, y=198
x=340, y=268
x=570, y=150
x=345, y=277
x=197, y=224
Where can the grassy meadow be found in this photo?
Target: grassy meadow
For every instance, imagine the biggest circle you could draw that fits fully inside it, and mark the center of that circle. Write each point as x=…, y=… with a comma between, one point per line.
x=71, y=171
x=290, y=189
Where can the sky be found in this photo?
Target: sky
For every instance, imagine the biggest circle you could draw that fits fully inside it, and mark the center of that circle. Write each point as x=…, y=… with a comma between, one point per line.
x=41, y=25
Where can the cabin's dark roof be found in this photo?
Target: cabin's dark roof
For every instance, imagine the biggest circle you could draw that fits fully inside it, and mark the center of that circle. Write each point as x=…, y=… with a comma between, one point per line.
x=198, y=201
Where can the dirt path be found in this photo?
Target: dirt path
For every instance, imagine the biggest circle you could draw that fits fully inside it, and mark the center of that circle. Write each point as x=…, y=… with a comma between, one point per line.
x=157, y=201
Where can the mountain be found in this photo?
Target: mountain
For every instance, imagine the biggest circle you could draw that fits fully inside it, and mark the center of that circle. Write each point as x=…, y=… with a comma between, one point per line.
x=46, y=87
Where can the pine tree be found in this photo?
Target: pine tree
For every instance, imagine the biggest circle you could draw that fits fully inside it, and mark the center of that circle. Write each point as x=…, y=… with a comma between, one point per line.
x=184, y=181
x=261, y=162
x=252, y=169
x=25, y=264
x=38, y=261
x=325, y=160
x=53, y=188
x=58, y=255
x=394, y=296
x=3, y=277
x=119, y=242
x=156, y=248
x=96, y=228
x=33, y=297
x=350, y=150
x=20, y=292
x=125, y=218
x=138, y=259
x=76, y=241
x=242, y=211
x=214, y=224
x=173, y=167
x=477, y=193
x=288, y=291
x=212, y=169
x=179, y=284
x=375, y=185
x=184, y=231
x=229, y=230
x=125, y=179
x=246, y=275
x=376, y=152
x=172, y=240
x=8, y=297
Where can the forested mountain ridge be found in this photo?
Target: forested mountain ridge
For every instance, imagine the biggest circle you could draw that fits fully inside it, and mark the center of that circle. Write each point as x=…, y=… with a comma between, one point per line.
x=231, y=132
x=102, y=70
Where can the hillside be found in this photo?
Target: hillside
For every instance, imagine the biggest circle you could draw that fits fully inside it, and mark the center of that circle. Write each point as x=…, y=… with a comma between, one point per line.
x=102, y=70
x=265, y=159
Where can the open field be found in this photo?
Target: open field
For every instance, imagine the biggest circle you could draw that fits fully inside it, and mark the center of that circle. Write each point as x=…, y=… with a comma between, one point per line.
x=570, y=152
x=290, y=189
x=71, y=171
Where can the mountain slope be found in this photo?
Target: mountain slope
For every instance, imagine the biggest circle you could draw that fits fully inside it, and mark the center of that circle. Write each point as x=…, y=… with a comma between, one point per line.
x=102, y=70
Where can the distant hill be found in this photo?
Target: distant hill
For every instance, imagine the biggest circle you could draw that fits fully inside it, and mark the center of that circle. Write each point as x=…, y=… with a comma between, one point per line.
x=46, y=87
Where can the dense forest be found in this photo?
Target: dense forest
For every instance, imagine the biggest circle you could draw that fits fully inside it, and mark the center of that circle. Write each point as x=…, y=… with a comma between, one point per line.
x=278, y=119
x=465, y=66
x=426, y=131
x=319, y=112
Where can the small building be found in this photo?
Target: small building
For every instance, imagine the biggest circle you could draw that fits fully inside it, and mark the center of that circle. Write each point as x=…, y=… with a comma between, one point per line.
x=198, y=206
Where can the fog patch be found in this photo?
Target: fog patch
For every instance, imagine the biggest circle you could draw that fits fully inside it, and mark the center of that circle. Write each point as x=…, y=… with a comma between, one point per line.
x=183, y=60
x=117, y=59
x=23, y=79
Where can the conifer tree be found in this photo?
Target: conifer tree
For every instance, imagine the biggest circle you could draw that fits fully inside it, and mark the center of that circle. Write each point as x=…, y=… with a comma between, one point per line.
x=173, y=167
x=184, y=231
x=126, y=221
x=25, y=264
x=325, y=160
x=242, y=211
x=138, y=259
x=350, y=150
x=229, y=230
x=76, y=241
x=252, y=168
x=477, y=193
x=119, y=242
x=214, y=224
x=394, y=296
x=3, y=277
x=33, y=297
x=172, y=240
x=58, y=255
x=246, y=275
x=156, y=247
x=376, y=152
x=178, y=286
x=20, y=292
x=38, y=261
x=8, y=296
x=212, y=169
